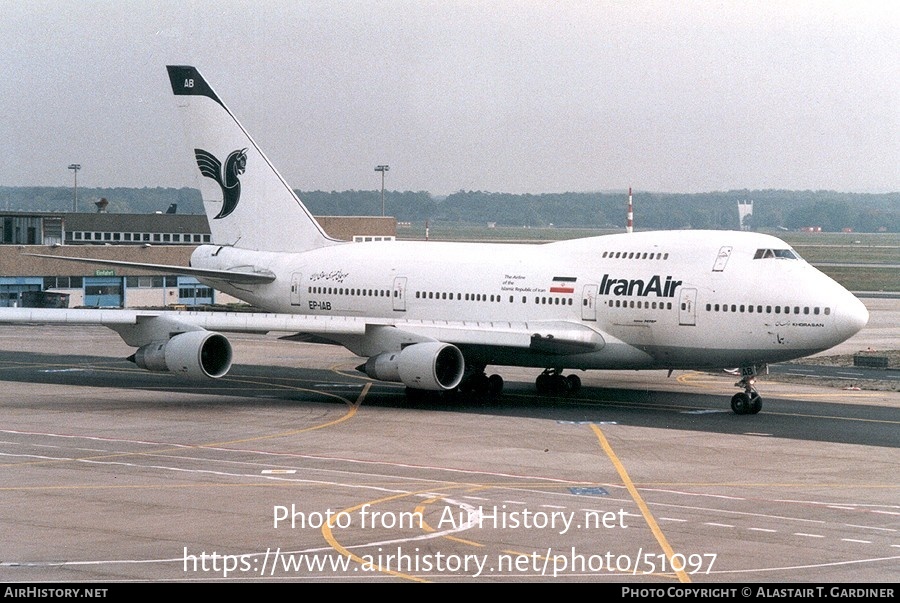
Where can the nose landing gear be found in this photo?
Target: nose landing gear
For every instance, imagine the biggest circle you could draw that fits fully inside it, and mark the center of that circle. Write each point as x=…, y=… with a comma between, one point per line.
x=749, y=401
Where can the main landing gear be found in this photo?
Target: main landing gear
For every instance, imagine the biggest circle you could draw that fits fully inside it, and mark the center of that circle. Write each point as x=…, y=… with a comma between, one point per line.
x=747, y=402
x=550, y=382
x=553, y=382
x=479, y=384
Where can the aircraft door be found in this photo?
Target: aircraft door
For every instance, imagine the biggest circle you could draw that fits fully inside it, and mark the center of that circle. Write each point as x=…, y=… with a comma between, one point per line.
x=589, y=303
x=399, y=294
x=687, y=308
x=722, y=258
x=296, y=279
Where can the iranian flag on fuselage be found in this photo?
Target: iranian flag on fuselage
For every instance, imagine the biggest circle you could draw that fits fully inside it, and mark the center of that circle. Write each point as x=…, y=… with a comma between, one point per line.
x=563, y=284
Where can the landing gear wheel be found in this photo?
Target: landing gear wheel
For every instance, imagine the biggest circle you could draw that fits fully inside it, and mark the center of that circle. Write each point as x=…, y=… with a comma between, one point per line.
x=560, y=385
x=740, y=403
x=755, y=403
x=480, y=385
x=495, y=386
x=543, y=383
x=574, y=383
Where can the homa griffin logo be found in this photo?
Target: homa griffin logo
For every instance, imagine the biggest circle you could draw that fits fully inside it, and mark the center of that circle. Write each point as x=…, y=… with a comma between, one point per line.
x=227, y=177
x=637, y=287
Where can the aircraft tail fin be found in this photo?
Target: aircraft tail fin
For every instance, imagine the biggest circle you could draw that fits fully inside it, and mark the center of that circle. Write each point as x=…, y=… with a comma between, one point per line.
x=248, y=204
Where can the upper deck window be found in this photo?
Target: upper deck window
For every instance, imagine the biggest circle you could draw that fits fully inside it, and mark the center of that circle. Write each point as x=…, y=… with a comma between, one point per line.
x=786, y=254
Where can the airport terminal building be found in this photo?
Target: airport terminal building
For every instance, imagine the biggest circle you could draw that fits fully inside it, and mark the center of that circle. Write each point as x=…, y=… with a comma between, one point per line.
x=147, y=238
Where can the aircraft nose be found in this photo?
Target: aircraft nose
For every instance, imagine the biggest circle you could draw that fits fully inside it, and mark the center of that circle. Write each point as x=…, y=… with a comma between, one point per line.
x=851, y=317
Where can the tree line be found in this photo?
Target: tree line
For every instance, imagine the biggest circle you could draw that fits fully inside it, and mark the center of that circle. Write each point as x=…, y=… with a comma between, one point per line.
x=828, y=210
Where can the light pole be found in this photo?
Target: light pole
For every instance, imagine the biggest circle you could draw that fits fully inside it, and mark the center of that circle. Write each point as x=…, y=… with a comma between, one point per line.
x=75, y=167
x=382, y=169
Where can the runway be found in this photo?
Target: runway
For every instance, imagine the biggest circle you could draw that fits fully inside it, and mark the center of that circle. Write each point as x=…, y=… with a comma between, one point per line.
x=296, y=467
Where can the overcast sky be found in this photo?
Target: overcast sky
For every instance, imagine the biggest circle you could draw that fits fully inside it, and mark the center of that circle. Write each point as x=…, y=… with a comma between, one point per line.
x=520, y=97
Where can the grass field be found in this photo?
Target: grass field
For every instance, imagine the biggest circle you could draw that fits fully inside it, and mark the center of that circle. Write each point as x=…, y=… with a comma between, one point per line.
x=880, y=252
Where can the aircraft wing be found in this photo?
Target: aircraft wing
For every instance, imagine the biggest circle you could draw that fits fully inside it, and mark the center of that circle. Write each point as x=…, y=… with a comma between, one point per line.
x=140, y=327
x=230, y=276
x=552, y=337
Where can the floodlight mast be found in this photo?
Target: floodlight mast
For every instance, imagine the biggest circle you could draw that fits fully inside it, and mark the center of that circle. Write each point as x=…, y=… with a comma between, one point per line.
x=382, y=169
x=75, y=167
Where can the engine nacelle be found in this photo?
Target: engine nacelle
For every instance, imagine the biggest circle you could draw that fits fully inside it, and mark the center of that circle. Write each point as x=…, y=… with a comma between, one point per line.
x=431, y=365
x=192, y=354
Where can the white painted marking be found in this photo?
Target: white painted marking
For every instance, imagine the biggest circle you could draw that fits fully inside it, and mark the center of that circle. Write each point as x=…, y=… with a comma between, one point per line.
x=855, y=540
x=763, y=530
x=586, y=423
x=808, y=535
x=278, y=471
x=37, y=456
x=703, y=494
x=850, y=525
x=706, y=411
x=291, y=455
x=338, y=385
x=754, y=433
x=672, y=519
x=718, y=525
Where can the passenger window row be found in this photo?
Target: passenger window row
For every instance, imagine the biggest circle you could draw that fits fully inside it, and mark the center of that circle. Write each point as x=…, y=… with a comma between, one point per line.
x=639, y=304
x=635, y=255
x=751, y=309
x=351, y=291
x=484, y=297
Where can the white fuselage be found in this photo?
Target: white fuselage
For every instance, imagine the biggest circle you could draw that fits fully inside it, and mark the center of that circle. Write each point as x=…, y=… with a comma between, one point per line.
x=671, y=299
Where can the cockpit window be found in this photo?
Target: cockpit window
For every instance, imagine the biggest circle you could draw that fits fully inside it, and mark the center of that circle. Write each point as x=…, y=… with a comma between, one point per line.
x=785, y=254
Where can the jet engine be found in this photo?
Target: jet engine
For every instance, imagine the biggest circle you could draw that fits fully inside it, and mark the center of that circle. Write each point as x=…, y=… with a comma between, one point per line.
x=192, y=354
x=432, y=365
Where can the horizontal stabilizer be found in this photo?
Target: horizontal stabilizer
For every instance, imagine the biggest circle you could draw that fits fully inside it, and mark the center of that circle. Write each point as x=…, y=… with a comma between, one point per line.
x=229, y=276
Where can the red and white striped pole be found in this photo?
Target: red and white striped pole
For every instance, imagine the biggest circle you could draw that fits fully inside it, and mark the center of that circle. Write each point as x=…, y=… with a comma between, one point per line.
x=629, y=222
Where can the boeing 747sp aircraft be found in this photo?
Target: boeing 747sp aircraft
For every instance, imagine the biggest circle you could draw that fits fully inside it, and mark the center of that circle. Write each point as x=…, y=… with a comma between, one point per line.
x=434, y=315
